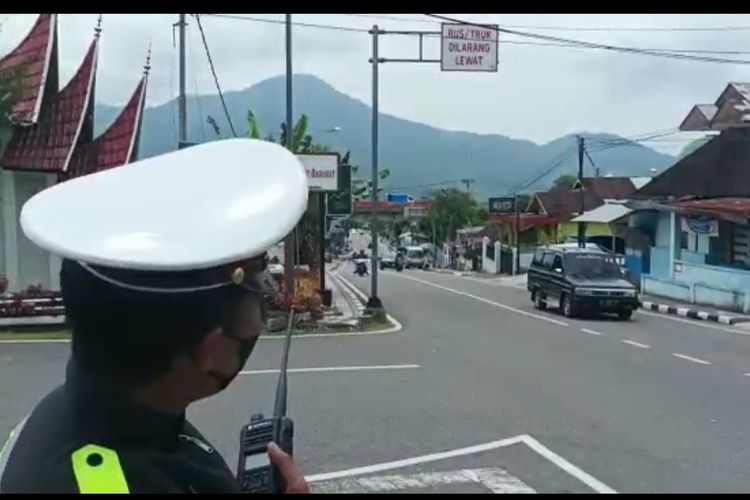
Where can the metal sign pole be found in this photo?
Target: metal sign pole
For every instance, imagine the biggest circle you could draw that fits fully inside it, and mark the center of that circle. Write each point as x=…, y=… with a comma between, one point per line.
x=374, y=302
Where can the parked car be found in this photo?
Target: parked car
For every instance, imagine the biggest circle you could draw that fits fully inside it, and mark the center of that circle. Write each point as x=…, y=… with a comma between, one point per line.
x=415, y=257
x=580, y=280
x=388, y=260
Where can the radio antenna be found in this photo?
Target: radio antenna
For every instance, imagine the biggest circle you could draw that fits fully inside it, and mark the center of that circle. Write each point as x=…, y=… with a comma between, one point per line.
x=279, y=408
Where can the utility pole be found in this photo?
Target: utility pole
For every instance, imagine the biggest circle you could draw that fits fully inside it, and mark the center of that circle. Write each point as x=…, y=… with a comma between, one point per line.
x=290, y=242
x=468, y=183
x=374, y=302
x=182, y=100
x=582, y=207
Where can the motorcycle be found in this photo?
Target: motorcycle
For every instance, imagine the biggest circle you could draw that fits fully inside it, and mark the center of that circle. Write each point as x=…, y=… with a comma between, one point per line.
x=399, y=265
x=360, y=267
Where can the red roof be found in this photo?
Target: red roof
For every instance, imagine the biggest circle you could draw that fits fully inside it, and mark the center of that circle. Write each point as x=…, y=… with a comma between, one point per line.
x=367, y=204
x=117, y=145
x=737, y=206
x=34, y=53
x=48, y=146
x=526, y=220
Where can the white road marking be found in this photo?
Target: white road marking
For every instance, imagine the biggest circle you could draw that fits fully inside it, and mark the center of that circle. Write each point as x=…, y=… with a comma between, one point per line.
x=592, y=332
x=746, y=374
x=690, y=358
x=487, y=301
x=529, y=441
x=699, y=323
x=495, y=479
x=568, y=467
x=415, y=460
x=35, y=341
x=331, y=369
x=636, y=344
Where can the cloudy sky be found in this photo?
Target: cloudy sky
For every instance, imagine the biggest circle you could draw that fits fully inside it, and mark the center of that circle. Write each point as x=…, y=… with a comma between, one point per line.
x=539, y=93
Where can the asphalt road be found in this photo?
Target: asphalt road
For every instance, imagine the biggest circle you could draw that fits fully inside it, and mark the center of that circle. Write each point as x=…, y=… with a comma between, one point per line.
x=508, y=397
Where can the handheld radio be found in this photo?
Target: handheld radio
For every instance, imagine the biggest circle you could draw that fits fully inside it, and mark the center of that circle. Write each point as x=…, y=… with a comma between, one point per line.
x=255, y=473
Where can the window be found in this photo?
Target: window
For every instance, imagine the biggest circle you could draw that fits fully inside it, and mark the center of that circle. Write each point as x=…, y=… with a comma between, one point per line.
x=739, y=244
x=558, y=262
x=538, y=257
x=548, y=259
x=683, y=240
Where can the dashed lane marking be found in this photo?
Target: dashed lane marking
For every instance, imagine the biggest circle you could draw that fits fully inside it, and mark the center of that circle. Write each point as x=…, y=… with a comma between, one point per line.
x=591, y=332
x=690, y=358
x=635, y=344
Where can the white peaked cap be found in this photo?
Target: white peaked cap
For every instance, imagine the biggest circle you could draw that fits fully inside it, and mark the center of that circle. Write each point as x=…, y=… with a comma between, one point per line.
x=213, y=204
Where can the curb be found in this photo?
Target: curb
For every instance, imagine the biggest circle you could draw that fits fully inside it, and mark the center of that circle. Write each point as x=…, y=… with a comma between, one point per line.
x=693, y=313
x=362, y=299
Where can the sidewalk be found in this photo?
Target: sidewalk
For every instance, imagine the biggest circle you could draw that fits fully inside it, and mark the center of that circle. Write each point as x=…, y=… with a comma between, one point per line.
x=694, y=311
x=347, y=308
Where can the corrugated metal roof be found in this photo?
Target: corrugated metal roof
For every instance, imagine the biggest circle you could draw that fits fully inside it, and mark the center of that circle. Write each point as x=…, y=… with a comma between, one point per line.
x=730, y=205
x=609, y=212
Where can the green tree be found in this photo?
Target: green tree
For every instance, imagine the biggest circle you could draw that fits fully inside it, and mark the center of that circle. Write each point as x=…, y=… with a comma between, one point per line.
x=565, y=181
x=452, y=209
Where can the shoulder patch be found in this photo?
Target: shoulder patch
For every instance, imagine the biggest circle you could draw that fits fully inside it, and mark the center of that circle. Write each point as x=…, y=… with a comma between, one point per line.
x=97, y=470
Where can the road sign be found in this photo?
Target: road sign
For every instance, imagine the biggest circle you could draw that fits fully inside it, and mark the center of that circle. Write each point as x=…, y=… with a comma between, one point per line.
x=467, y=47
x=503, y=205
x=340, y=202
x=398, y=198
x=322, y=171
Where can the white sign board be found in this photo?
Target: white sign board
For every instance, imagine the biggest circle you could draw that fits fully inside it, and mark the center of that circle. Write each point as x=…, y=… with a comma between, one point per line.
x=322, y=171
x=467, y=47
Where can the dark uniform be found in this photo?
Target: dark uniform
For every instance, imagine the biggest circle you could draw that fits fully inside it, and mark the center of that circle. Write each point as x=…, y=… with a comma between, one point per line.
x=226, y=203
x=85, y=437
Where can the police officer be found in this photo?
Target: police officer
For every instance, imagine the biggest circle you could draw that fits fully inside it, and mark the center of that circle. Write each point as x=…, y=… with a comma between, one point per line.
x=163, y=278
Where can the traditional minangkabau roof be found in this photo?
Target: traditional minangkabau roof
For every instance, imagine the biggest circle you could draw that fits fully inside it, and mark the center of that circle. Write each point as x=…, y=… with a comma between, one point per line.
x=731, y=108
x=35, y=57
x=48, y=146
x=118, y=144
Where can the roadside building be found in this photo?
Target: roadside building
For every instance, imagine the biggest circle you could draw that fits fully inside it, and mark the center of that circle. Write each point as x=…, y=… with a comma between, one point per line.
x=693, y=225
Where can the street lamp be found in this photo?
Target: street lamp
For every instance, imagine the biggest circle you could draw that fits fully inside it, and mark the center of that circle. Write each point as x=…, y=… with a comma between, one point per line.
x=321, y=233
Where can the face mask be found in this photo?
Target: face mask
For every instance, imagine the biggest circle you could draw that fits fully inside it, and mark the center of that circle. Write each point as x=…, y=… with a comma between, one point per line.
x=246, y=347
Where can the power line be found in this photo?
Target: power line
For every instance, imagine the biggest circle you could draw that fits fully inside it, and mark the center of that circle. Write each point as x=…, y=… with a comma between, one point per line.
x=213, y=71
x=571, y=28
x=295, y=23
x=557, y=161
x=570, y=45
x=592, y=45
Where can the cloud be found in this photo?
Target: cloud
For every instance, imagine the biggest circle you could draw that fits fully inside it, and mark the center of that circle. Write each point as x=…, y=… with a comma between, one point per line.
x=539, y=93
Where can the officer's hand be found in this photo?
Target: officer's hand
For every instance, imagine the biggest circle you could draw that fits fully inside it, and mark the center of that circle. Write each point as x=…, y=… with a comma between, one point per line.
x=295, y=481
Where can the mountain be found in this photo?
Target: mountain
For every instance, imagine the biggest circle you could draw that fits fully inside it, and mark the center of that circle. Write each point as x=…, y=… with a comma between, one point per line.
x=420, y=157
